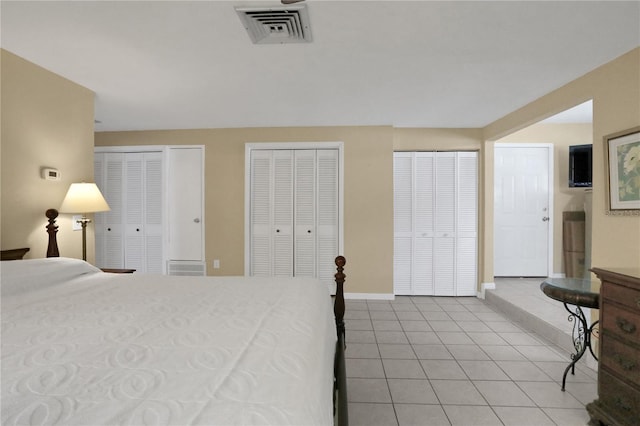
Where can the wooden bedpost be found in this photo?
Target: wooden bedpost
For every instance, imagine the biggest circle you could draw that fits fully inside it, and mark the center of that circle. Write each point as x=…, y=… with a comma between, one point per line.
x=340, y=404
x=338, y=306
x=52, y=230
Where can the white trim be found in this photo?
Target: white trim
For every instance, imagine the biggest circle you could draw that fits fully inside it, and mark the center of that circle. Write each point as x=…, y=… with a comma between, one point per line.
x=369, y=296
x=483, y=288
x=248, y=147
x=550, y=148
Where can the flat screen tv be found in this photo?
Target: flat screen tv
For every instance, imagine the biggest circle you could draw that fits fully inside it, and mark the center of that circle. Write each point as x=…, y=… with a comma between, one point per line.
x=580, y=166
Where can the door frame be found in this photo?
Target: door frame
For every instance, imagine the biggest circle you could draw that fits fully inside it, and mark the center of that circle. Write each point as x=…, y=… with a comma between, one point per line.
x=249, y=147
x=551, y=194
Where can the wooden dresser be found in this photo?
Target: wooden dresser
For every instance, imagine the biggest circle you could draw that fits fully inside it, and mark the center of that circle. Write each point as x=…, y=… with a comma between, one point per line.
x=618, y=400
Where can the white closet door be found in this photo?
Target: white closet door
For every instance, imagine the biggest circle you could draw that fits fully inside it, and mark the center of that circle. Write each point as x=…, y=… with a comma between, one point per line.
x=133, y=220
x=109, y=175
x=327, y=216
x=435, y=223
x=445, y=223
x=424, y=218
x=153, y=208
x=305, y=214
x=294, y=212
x=143, y=212
x=467, y=224
x=282, y=213
x=271, y=213
x=403, y=223
x=260, y=199
x=185, y=207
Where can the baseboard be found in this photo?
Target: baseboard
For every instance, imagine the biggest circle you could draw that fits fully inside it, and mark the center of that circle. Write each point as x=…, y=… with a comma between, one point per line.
x=370, y=296
x=484, y=287
x=558, y=275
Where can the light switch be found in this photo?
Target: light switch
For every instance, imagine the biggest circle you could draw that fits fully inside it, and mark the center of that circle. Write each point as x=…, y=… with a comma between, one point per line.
x=75, y=224
x=216, y=263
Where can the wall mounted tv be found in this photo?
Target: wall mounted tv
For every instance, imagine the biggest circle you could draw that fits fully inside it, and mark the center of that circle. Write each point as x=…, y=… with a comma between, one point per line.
x=580, y=164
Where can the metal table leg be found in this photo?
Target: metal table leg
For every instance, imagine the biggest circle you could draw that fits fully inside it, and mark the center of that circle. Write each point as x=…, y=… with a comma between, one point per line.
x=581, y=336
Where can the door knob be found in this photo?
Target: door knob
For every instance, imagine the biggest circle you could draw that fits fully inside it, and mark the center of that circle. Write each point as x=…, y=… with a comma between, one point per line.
x=545, y=219
x=196, y=220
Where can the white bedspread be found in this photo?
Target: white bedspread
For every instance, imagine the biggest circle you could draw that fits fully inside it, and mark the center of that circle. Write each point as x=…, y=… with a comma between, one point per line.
x=82, y=347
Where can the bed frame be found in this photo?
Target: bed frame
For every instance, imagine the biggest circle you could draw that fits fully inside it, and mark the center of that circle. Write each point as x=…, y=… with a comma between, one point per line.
x=341, y=413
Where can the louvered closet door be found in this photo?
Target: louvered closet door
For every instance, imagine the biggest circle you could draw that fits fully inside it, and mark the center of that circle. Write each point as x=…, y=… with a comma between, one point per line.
x=435, y=223
x=109, y=174
x=413, y=223
x=305, y=214
x=281, y=226
x=143, y=212
x=424, y=219
x=271, y=213
x=294, y=213
x=467, y=224
x=327, y=216
x=403, y=223
x=445, y=224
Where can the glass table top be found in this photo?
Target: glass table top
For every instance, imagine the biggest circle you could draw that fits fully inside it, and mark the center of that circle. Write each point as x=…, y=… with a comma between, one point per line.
x=576, y=291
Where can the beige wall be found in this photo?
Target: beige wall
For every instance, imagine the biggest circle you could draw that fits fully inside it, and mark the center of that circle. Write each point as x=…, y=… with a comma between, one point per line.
x=564, y=198
x=47, y=121
x=368, y=210
x=615, y=90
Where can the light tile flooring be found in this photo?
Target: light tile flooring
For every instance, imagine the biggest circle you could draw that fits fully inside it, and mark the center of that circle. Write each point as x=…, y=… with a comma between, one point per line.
x=455, y=361
x=526, y=293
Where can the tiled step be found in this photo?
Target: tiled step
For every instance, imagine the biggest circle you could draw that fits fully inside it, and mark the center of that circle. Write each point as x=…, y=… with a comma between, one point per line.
x=530, y=321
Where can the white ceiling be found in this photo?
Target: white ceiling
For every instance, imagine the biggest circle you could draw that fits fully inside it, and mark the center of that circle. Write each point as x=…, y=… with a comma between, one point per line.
x=184, y=64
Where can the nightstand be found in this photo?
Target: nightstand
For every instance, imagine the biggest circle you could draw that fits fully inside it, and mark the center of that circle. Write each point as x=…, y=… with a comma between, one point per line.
x=118, y=270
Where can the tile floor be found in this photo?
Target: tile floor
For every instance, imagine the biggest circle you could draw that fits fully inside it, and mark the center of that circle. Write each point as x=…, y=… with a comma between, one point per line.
x=456, y=361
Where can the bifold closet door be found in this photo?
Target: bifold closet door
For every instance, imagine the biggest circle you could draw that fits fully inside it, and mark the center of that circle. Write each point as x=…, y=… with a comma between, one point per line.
x=293, y=212
x=143, y=212
x=435, y=223
x=413, y=222
x=271, y=213
x=109, y=175
x=130, y=234
x=467, y=224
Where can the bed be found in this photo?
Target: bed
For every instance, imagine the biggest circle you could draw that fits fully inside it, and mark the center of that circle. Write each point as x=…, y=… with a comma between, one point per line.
x=81, y=346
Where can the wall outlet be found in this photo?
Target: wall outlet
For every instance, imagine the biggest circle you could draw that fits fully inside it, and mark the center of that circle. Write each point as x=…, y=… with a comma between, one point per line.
x=216, y=263
x=76, y=226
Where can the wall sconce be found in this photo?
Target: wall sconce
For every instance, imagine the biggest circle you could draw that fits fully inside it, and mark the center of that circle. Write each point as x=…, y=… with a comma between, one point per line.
x=84, y=198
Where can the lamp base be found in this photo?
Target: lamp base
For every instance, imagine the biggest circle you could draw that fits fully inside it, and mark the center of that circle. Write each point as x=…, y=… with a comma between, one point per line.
x=83, y=221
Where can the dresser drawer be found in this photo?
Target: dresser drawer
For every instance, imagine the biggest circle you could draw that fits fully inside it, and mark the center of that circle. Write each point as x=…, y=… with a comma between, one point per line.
x=622, y=295
x=622, y=401
x=621, y=322
x=621, y=359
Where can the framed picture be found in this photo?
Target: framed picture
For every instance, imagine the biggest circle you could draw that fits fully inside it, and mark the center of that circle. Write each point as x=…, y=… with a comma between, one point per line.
x=622, y=164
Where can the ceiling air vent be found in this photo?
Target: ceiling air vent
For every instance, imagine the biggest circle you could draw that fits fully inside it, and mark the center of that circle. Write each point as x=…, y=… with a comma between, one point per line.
x=286, y=24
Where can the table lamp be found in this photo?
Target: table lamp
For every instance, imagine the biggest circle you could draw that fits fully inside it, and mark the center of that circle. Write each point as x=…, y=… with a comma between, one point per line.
x=84, y=198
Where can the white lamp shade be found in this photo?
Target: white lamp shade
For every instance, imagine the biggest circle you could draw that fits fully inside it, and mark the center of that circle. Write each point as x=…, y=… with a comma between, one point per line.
x=83, y=198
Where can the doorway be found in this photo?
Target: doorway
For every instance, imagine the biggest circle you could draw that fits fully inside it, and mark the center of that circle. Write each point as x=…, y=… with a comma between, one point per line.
x=523, y=206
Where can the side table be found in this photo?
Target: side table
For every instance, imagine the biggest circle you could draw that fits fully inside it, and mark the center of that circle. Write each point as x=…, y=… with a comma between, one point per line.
x=576, y=292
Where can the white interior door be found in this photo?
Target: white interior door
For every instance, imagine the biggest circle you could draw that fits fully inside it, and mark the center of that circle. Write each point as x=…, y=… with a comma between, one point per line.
x=185, y=206
x=522, y=209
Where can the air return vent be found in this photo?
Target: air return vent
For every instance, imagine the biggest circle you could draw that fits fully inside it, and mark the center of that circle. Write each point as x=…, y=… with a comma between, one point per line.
x=286, y=24
x=186, y=268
